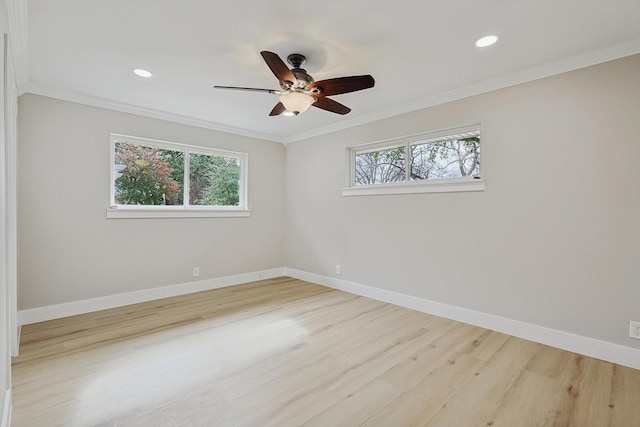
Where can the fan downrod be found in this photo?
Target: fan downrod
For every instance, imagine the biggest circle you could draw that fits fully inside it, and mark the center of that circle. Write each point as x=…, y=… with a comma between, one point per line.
x=296, y=60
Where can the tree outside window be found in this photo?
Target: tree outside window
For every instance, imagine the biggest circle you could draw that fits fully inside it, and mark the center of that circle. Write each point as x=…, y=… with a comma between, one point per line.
x=150, y=175
x=454, y=156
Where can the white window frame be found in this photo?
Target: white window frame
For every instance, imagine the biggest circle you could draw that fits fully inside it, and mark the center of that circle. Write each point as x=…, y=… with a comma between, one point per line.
x=116, y=211
x=443, y=185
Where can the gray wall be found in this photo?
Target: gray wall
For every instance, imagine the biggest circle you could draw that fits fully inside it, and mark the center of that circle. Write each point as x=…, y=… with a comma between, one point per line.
x=69, y=251
x=553, y=240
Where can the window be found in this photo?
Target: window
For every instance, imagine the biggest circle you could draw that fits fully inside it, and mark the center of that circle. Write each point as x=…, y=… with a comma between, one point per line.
x=433, y=162
x=151, y=178
x=380, y=166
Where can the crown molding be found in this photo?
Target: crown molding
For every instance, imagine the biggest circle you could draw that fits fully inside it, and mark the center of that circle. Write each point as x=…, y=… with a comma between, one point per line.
x=547, y=70
x=94, y=101
x=550, y=69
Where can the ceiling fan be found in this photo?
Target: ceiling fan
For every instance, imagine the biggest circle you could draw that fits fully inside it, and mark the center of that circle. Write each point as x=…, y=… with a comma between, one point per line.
x=299, y=91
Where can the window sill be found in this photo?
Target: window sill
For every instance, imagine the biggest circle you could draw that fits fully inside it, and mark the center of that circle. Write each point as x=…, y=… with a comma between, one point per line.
x=178, y=212
x=414, y=187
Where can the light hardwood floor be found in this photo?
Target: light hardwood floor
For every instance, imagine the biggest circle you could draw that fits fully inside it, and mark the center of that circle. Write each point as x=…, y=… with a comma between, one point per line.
x=284, y=352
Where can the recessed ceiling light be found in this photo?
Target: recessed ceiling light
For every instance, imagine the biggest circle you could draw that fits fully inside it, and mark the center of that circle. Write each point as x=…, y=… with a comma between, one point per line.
x=486, y=41
x=142, y=72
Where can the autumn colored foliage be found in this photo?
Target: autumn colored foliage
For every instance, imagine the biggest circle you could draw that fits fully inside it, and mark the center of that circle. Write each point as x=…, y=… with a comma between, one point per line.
x=146, y=177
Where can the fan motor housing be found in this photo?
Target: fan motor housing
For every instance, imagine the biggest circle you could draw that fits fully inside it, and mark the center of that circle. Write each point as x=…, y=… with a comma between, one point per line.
x=303, y=78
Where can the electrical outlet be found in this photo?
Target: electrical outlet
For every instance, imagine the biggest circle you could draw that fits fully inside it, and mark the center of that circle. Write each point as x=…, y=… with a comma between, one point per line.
x=338, y=270
x=634, y=329
x=196, y=271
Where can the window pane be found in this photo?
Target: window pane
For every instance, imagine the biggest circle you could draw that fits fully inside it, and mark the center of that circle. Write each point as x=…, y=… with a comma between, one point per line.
x=214, y=180
x=383, y=166
x=451, y=158
x=147, y=175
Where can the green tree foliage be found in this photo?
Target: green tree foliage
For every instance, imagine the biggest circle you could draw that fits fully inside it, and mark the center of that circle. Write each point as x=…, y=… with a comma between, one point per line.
x=175, y=159
x=146, y=178
x=214, y=180
x=155, y=176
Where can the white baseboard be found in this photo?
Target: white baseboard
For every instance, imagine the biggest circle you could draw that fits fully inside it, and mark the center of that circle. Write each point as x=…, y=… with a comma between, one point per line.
x=586, y=346
x=6, y=410
x=591, y=347
x=50, y=312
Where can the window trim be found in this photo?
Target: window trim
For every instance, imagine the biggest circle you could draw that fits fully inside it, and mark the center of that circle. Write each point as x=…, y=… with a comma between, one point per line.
x=443, y=185
x=115, y=211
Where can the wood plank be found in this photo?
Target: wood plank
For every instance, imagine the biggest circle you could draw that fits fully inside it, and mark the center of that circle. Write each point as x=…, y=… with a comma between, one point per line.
x=289, y=353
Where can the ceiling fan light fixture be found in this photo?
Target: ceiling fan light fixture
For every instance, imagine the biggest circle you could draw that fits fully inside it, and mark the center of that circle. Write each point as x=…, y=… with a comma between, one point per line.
x=296, y=102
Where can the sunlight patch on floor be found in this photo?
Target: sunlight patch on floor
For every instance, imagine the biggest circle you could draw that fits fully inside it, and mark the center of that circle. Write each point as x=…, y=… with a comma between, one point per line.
x=135, y=381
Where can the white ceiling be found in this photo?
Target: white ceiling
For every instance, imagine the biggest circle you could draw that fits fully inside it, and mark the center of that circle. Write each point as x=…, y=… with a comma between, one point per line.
x=420, y=53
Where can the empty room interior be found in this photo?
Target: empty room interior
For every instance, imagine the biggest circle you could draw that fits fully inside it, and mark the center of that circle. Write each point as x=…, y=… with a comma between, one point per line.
x=320, y=213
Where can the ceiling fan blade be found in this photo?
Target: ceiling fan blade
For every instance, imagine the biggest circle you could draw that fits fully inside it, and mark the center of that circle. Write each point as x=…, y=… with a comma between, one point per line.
x=341, y=85
x=331, y=105
x=278, y=67
x=252, y=89
x=277, y=110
